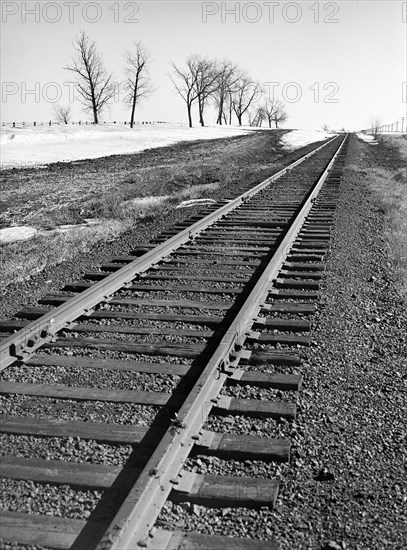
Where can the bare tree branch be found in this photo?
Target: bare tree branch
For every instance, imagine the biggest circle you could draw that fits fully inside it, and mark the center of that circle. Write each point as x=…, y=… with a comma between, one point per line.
x=375, y=123
x=228, y=75
x=246, y=91
x=62, y=114
x=274, y=110
x=138, y=81
x=257, y=116
x=206, y=84
x=280, y=116
x=185, y=81
x=95, y=86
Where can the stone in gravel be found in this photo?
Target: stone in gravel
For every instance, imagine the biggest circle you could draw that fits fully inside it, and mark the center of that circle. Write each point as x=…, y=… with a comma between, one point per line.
x=332, y=545
x=324, y=475
x=195, y=510
x=187, y=506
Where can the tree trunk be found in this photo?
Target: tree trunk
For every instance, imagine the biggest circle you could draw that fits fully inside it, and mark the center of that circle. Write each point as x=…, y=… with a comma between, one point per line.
x=133, y=109
x=239, y=118
x=94, y=107
x=189, y=115
x=134, y=99
x=220, y=112
x=200, y=106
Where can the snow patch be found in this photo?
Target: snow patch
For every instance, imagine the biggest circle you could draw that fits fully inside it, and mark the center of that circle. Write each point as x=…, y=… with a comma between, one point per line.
x=69, y=227
x=14, y=234
x=367, y=138
x=149, y=201
x=193, y=202
x=25, y=233
x=300, y=138
x=36, y=145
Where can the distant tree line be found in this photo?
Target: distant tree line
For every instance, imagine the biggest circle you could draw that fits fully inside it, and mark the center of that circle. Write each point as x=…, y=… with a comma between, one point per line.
x=229, y=88
x=200, y=82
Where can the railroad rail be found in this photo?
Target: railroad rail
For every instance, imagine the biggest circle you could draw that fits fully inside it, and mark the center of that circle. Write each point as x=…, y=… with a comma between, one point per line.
x=214, y=309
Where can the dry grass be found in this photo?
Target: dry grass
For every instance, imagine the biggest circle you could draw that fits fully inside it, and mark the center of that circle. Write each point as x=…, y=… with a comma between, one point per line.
x=22, y=260
x=25, y=259
x=71, y=197
x=399, y=142
x=119, y=211
x=390, y=192
x=120, y=207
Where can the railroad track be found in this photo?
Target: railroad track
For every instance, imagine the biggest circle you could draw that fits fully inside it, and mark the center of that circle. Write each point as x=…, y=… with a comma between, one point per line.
x=119, y=392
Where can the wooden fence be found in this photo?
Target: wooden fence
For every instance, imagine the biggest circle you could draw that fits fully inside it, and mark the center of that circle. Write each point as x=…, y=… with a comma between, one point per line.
x=84, y=123
x=400, y=126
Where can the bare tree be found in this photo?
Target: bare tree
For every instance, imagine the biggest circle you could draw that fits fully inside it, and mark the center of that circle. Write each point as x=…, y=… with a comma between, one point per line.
x=185, y=81
x=245, y=93
x=228, y=107
x=375, y=123
x=62, y=113
x=95, y=86
x=280, y=116
x=138, y=81
x=206, y=83
x=325, y=127
x=251, y=114
x=274, y=109
x=228, y=75
x=256, y=118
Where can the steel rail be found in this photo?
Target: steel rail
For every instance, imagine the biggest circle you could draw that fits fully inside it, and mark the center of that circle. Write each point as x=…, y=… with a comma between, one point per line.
x=24, y=342
x=132, y=526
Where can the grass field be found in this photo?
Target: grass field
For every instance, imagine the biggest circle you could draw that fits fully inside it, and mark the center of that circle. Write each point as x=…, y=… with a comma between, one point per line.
x=389, y=188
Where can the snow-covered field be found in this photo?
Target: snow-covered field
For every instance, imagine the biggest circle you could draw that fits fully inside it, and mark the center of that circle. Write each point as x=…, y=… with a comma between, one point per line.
x=45, y=144
x=29, y=146
x=300, y=138
x=367, y=137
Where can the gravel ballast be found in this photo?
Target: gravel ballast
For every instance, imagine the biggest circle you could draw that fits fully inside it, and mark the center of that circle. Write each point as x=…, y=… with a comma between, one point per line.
x=72, y=449
x=345, y=486
x=86, y=411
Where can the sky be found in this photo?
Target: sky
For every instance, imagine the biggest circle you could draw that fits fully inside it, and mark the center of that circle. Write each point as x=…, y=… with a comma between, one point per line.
x=337, y=63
